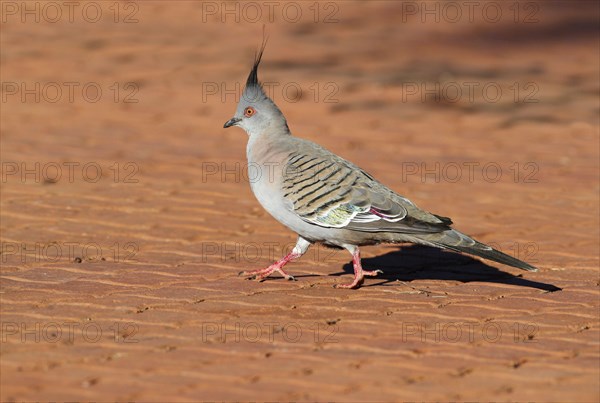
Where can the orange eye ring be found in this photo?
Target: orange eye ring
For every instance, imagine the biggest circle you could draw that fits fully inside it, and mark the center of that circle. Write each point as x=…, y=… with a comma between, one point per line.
x=249, y=111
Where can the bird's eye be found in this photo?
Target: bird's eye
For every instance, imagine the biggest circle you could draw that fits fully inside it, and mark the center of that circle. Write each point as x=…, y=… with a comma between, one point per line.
x=249, y=111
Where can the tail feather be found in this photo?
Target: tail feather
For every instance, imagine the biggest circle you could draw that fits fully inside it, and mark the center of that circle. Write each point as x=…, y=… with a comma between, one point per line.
x=460, y=242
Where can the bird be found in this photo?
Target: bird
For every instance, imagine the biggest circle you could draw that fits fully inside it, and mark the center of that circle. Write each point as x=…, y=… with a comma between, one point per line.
x=328, y=200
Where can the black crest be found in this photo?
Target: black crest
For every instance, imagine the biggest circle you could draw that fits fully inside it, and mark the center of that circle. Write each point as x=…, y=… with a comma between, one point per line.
x=253, y=77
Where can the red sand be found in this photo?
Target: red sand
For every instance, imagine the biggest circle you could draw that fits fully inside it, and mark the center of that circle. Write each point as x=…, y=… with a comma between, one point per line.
x=124, y=286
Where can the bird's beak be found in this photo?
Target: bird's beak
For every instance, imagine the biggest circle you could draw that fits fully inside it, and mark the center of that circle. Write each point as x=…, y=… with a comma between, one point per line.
x=231, y=122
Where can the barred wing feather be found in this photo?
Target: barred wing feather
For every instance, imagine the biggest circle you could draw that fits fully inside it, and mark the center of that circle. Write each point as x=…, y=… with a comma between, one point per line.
x=328, y=191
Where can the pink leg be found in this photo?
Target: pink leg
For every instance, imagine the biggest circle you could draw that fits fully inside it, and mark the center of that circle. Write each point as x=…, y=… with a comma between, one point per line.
x=262, y=274
x=299, y=250
x=359, y=273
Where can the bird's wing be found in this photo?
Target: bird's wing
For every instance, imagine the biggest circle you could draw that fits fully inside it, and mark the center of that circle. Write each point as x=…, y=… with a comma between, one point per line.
x=329, y=191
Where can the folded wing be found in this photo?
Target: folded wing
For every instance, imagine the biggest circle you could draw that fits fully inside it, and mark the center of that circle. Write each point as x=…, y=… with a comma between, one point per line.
x=328, y=191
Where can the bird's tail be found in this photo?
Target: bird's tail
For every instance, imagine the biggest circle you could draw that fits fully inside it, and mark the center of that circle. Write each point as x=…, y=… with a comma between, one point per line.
x=459, y=242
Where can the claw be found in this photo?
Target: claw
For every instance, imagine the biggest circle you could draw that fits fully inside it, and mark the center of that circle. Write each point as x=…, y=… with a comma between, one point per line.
x=372, y=272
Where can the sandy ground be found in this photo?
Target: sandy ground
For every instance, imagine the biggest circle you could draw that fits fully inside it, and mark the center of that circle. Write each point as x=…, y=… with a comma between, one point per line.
x=127, y=213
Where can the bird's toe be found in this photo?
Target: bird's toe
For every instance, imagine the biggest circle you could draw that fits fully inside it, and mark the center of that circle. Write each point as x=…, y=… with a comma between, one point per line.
x=372, y=272
x=355, y=284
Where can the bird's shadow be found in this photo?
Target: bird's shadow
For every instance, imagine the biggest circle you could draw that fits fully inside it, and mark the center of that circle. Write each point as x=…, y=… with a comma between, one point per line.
x=416, y=262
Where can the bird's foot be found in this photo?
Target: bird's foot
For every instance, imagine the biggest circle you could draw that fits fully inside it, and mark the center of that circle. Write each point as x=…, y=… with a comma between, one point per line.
x=359, y=273
x=262, y=274
x=359, y=279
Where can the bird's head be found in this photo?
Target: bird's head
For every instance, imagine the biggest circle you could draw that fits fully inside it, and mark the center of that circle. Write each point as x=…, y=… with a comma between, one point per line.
x=256, y=113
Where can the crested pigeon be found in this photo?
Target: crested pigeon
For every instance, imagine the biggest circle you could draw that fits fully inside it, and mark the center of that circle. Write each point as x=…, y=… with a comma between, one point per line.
x=326, y=199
